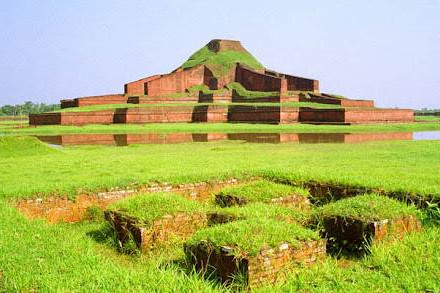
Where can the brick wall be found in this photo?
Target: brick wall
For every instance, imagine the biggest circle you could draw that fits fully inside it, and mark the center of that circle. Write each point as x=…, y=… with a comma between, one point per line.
x=154, y=115
x=138, y=87
x=213, y=114
x=181, y=224
x=254, y=81
x=267, y=267
x=69, y=103
x=81, y=118
x=45, y=119
x=162, y=100
x=101, y=100
x=295, y=83
x=321, y=115
x=356, y=116
x=179, y=81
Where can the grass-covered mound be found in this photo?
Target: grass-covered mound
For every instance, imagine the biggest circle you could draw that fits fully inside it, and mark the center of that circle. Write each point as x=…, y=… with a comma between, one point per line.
x=367, y=208
x=259, y=210
x=258, y=191
x=248, y=237
x=22, y=146
x=221, y=62
x=146, y=208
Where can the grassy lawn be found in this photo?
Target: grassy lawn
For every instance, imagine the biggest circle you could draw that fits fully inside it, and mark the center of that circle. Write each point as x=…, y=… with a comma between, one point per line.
x=411, y=166
x=82, y=257
x=427, y=118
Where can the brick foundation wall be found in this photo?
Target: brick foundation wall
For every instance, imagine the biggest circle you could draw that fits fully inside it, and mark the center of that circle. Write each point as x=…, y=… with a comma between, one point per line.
x=162, y=100
x=353, y=235
x=138, y=87
x=321, y=115
x=327, y=99
x=69, y=103
x=81, y=118
x=215, y=98
x=358, y=116
x=154, y=115
x=213, y=114
x=253, y=81
x=72, y=118
x=295, y=83
x=45, y=119
x=178, y=81
x=267, y=267
x=101, y=100
x=180, y=224
x=355, y=116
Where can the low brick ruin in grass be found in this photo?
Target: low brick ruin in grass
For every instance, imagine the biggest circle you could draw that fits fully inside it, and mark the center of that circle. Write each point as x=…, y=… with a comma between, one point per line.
x=150, y=219
x=258, y=210
x=351, y=225
x=263, y=191
x=256, y=252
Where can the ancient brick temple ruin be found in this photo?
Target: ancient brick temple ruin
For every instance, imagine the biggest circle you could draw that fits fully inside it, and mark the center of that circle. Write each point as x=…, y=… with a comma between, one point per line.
x=222, y=82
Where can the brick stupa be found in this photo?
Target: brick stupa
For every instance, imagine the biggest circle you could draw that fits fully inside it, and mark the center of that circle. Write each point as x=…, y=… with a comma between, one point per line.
x=221, y=82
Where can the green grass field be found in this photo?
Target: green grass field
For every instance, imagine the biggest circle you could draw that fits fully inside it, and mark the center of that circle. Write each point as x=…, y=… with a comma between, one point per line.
x=83, y=256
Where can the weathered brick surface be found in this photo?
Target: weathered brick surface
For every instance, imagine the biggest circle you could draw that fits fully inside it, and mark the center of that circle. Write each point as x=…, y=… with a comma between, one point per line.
x=69, y=103
x=181, y=224
x=154, y=115
x=218, y=45
x=254, y=81
x=293, y=200
x=101, y=100
x=267, y=267
x=353, y=235
x=357, y=116
x=295, y=83
x=216, y=98
x=162, y=100
x=138, y=87
x=72, y=118
x=309, y=115
x=329, y=99
x=45, y=119
x=262, y=114
x=213, y=114
x=179, y=81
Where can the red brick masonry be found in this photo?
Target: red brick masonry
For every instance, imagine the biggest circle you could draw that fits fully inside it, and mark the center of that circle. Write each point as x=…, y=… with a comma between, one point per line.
x=353, y=234
x=356, y=115
x=162, y=88
x=267, y=267
x=147, y=236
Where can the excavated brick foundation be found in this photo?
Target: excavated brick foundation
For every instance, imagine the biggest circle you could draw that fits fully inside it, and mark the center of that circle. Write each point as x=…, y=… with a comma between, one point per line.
x=145, y=237
x=294, y=200
x=354, y=235
x=267, y=267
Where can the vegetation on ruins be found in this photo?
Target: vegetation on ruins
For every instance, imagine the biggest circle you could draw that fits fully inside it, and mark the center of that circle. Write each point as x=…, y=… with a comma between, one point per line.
x=368, y=207
x=87, y=249
x=262, y=191
x=128, y=106
x=260, y=210
x=146, y=208
x=248, y=237
x=220, y=63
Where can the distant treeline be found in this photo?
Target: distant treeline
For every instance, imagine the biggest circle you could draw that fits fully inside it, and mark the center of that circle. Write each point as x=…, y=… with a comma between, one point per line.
x=27, y=108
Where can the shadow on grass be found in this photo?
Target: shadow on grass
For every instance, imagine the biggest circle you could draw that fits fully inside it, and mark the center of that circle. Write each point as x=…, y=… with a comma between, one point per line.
x=105, y=235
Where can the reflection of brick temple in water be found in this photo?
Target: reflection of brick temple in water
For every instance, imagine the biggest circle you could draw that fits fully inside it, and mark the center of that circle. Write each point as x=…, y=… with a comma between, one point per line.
x=222, y=82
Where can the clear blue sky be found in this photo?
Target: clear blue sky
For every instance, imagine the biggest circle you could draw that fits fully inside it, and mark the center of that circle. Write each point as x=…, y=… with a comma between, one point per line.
x=386, y=50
